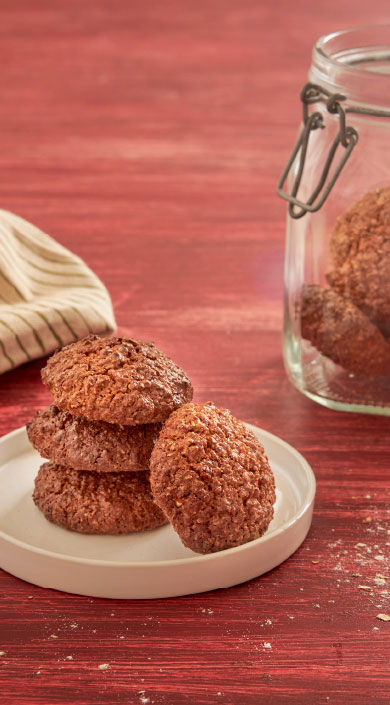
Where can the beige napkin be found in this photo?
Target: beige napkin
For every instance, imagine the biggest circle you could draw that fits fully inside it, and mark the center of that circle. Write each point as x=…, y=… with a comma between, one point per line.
x=48, y=295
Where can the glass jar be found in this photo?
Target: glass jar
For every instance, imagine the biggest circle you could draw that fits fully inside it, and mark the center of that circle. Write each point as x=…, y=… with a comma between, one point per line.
x=337, y=267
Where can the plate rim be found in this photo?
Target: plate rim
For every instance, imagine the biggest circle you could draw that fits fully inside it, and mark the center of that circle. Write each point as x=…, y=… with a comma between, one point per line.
x=197, y=558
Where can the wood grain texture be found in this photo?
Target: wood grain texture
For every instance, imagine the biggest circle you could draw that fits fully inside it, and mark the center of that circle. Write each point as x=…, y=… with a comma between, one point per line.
x=148, y=138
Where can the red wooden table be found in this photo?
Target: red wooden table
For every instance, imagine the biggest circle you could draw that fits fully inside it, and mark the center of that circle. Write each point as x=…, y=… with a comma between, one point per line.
x=148, y=138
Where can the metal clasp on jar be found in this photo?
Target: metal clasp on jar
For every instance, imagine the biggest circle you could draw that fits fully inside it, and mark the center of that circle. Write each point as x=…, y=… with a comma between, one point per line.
x=347, y=137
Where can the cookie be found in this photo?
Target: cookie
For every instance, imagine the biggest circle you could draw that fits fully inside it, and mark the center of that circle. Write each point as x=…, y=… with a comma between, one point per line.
x=211, y=477
x=360, y=257
x=117, y=380
x=339, y=330
x=93, y=503
x=95, y=446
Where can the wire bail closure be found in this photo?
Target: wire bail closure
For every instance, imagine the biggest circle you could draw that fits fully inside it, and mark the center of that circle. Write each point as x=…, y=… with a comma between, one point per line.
x=347, y=137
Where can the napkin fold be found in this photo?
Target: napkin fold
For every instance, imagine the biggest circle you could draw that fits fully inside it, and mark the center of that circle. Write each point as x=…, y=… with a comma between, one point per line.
x=48, y=295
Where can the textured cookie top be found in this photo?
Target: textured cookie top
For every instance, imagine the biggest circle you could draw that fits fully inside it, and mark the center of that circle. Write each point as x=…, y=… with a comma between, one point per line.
x=93, y=503
x=339, y=330
x=360, y=256
x=118, y=380
x=211, y=477
x=96, y=446
x=364, y=221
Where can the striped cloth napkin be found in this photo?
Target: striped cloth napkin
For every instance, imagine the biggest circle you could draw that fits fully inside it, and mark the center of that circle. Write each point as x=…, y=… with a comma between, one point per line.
x=48, y=295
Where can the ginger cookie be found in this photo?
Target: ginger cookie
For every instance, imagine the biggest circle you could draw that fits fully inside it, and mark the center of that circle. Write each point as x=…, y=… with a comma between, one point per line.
x=118, y=380
x=342, y=332
x=360, y=257
x=211, y=477
x=96, y=503
x=95, y=446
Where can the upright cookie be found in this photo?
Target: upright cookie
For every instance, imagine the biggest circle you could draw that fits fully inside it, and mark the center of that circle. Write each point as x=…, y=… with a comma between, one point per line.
x=95, y=446
x=360, y=257
x=117, y=380
x=92, y=503
x=339, y=330
x=211, y=477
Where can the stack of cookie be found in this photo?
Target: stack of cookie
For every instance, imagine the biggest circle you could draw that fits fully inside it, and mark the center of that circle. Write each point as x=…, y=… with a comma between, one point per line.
x=111, y=396
x=350, y=321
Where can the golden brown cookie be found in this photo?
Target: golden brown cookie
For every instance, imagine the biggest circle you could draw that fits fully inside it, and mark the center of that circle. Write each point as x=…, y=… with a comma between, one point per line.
x=95, y=446
x=360, y=257
x=339, y=330
x=96, y=503
x=117, y=380
x=211, y=477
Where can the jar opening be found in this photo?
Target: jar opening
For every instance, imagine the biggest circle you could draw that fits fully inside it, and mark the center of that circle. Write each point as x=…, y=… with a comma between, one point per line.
x=355, y=62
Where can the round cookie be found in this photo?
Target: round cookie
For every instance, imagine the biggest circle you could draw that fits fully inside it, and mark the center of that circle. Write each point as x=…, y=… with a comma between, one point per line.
x=339, y=330
x=95, y=446
x=360, y=256
x=92, y=503
x=117, y=380
x=211, y=477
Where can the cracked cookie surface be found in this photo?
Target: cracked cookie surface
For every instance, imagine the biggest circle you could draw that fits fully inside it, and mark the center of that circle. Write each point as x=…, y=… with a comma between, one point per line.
x=95, y=446
x=96, y=503
x=211, y=477
x=342, y=332
x=118, y=380
x=360, y=257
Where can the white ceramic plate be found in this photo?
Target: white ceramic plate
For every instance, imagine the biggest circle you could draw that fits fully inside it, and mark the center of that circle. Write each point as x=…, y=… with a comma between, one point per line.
x=152, y=564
